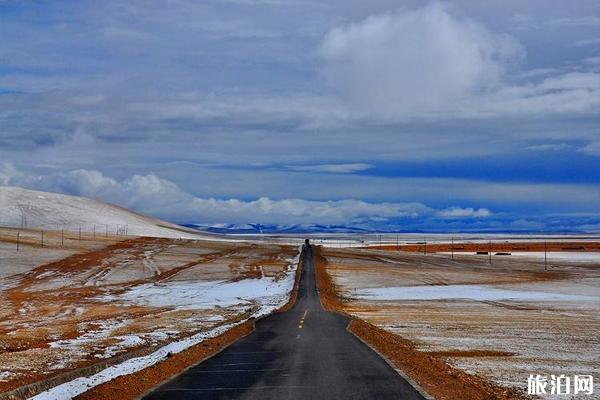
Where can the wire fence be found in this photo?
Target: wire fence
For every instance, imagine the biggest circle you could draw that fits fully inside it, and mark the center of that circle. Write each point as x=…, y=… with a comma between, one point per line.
x=61, y=235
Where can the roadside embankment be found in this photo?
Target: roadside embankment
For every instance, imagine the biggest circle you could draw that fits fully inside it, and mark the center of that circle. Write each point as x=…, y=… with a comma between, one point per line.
x=133, y=386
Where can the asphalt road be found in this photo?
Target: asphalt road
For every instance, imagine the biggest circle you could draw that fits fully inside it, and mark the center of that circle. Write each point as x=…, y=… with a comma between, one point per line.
x=305, y=353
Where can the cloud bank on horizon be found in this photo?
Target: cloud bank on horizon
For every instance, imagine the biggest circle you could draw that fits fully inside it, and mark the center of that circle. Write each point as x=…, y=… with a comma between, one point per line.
x=439, y=116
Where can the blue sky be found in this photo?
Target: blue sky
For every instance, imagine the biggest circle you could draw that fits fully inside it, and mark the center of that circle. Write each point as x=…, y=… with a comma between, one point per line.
x=460, y=115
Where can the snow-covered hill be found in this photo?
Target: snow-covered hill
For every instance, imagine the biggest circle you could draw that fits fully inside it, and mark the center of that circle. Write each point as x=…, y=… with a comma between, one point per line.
x=34, y=209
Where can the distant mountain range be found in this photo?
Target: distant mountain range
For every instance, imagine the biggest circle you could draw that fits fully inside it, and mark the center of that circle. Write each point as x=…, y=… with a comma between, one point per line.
x=273, y=229
x=332, y=229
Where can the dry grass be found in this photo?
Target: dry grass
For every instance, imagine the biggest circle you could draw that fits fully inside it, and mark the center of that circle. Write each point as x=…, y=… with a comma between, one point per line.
x=65, y=299
x=459, y=348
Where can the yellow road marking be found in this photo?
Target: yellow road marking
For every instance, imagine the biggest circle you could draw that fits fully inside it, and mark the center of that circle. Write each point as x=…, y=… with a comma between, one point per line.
x=302, y=319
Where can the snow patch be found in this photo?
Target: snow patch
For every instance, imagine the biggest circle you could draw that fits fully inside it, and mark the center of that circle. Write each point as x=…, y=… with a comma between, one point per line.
x=562, y=256
x=468, y=292
x=68, y=390
x=103, y=332
x=7, y=376
x=190, y=295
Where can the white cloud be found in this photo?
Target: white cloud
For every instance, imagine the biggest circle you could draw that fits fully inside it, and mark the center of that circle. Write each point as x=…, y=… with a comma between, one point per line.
x=592, y=149
x=588, y=20
x=469, y=212
x=332, y=168
x=303, y=211
x=414, y=62
x=549, y=147
x=527, y=224
x=593, y=60
x=587, y=42
x=572, y=80
x=430, y=64
x=159, y=197
x=532, y=73
x=8, y=173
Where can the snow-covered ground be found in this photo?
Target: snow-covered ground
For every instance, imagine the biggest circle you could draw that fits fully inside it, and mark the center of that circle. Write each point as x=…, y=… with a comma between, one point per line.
x=269, y=293
x=105, y=301
x=551, y=256
x=537, y=321
x=34, y=209
x=569, y=256
x=466, y=292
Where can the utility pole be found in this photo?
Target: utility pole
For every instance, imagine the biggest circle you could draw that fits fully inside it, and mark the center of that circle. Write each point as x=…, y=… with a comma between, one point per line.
x=23, y=210
x=94, y=231
x=452, y=247
x=62, y=238
x=106, y=231
x=80, y=233
x=42, y=239
x=490, y=251
x=18, y=237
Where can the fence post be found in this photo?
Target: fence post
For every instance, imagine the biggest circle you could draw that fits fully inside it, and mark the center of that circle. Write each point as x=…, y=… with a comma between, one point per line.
x=452, y=247
x=18, y=237
x=80, y=233
x=62, y=238
x=42, y=239
x=490, y=251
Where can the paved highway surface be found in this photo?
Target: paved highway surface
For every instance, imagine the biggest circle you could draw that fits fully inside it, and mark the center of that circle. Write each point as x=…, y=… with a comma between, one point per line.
x=305, y=353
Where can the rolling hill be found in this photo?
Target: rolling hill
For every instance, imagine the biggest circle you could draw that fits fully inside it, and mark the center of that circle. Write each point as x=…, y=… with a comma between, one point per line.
x=35, y=209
